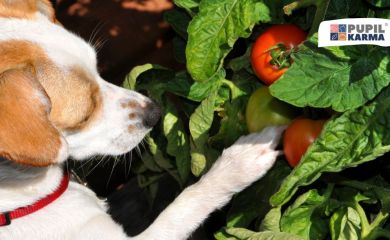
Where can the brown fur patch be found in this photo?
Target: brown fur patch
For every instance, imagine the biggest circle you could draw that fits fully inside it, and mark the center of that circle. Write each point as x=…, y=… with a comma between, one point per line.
x=26, y=134
x=26, y=9
x=18, y=54
x=132, y=116
x=74, y=95
x=131, y=128
x=132, y=104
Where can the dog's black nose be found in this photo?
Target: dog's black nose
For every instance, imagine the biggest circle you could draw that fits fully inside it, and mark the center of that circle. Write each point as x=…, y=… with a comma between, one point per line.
x=151, y=115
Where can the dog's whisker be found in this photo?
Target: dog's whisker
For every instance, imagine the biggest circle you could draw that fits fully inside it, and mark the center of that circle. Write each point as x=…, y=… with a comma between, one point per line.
x=92, y=163
x=130, y=162
x=98, y=45
x=88, y=161
x=90, y=171
x=99, y=26
x=142, y=143
x=112, y=170
x=84, y=178
x=138, y=151
x=126, y=159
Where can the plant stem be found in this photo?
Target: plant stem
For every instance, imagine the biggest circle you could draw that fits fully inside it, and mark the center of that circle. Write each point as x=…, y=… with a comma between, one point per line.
x=288, y=9
x=321, y=5
x=364, y=221
x=372, y=231
x=379, y=220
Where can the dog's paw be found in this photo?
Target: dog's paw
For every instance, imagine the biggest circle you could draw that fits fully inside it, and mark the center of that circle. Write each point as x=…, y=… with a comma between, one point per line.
x=248, y=159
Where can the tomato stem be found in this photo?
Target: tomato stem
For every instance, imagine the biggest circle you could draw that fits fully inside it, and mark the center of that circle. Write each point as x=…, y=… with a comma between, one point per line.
x=281, y=55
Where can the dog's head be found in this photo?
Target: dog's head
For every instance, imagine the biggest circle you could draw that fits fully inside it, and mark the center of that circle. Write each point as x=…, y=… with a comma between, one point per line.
x=53, y=103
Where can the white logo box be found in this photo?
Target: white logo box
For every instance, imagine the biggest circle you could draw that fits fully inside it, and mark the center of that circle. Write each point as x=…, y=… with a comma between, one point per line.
x=354, y=31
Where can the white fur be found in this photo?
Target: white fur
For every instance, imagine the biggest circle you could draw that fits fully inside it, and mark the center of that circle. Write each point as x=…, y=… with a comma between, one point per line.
x=78, y=213
x=109, y=135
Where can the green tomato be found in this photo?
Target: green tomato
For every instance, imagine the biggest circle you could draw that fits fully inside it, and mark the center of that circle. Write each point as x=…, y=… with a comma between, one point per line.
x=264, y=110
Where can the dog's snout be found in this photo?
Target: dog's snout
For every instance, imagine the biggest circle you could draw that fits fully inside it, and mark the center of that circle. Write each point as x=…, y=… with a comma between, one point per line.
x=152, y=114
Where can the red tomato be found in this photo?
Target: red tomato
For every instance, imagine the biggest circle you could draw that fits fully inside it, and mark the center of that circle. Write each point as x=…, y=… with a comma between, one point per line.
x=286, y=34
x=299, y=135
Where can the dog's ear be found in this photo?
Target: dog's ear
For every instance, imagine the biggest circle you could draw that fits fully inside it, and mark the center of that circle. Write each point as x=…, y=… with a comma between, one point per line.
x=27, y=136
x=27, y=8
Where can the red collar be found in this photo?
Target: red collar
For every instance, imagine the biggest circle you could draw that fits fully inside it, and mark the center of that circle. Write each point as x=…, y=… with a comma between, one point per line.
x=5, y=218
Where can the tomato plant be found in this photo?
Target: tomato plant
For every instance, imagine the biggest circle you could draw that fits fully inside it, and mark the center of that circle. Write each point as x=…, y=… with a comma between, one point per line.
x=204, y=112
x=264, y=110
x=299, y=135
x=270, y=56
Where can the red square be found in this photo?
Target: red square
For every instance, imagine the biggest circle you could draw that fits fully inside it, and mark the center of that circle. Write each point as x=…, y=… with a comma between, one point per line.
x=334, y=28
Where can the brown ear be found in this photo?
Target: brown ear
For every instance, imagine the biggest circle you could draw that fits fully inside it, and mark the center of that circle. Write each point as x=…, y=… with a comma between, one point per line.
x=26, y=134
x=27, y=9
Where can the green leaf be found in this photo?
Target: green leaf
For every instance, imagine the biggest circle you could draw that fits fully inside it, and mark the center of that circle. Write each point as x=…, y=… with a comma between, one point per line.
x=276, y=13
x=149, y=163
x=189, y=5
x=131, y=78
x=159, y=159
x=213, y=32
x=346, y=8
x=232, y=123
x=200, y=123
x=382, y=13
x=155, y=81
x=376, y=187
x=242, y=62
x=380, y=3
x=305, y=216
x=345, y=224
x=240, y=233
x=201, y=119
x=145, y=180
x=246, y=82
x=222, y=235
x=253, y=202
x=178, y=144
x=179, y=21
x=343, y=78
x=158, y=81
x=271, y=221
x=347, y=141
x=244, y=234
x=183, y=85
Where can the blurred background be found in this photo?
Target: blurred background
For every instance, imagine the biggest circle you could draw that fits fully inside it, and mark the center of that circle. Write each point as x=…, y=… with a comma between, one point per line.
x=126, y=33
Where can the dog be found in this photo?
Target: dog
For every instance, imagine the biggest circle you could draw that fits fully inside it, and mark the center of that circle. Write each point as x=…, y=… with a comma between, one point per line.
x=54, y=105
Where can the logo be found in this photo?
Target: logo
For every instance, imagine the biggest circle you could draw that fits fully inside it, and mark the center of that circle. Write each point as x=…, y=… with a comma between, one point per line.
x=338, y=32
x=354, y=31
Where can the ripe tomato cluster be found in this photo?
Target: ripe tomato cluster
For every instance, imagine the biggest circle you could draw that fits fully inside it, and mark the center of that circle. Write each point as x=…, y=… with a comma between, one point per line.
x=270, y=59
